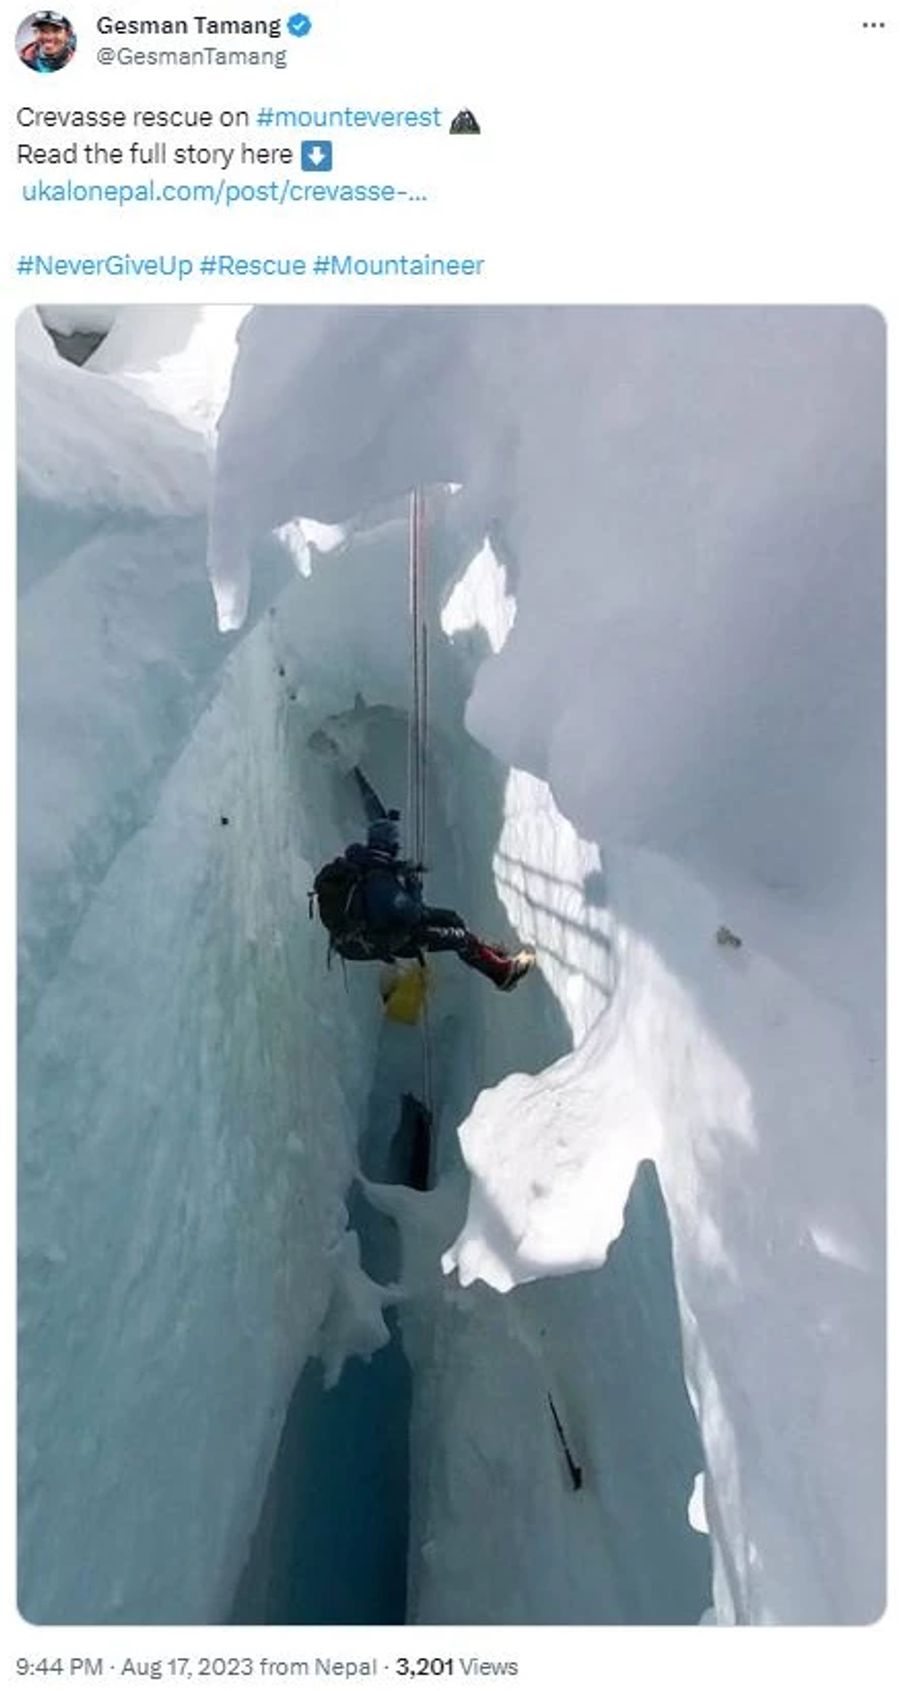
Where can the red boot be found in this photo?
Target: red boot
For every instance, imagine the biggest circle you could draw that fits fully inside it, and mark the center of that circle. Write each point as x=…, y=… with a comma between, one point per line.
x=504, y=971
x=518, y=966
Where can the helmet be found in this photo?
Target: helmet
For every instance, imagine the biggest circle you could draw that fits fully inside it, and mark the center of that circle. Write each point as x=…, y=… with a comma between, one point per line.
x=384, y=835
x=51, y=17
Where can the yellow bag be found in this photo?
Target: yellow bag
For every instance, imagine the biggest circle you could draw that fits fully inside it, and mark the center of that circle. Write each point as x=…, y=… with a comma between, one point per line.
x=403, y=992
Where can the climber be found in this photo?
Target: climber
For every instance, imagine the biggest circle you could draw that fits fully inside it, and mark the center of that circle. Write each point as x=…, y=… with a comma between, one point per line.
x=52, y=44
x=370, y=900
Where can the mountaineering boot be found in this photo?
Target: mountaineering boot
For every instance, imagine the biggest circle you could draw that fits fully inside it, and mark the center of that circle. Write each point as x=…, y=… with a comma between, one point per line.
x=517, y=967
x=504, y=971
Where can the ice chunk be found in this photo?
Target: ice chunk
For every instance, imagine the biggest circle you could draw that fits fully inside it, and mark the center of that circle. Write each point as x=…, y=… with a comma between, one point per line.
x=354, y=1324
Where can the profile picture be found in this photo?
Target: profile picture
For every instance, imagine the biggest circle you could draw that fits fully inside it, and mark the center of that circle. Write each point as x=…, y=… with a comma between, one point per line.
x=45, y=42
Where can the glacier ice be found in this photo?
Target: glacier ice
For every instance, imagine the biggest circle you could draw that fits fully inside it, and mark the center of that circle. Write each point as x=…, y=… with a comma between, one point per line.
x=691, y=505
x=686, y=507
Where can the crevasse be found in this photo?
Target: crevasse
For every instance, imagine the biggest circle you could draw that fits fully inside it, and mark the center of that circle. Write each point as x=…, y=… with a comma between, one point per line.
x=207, y=1113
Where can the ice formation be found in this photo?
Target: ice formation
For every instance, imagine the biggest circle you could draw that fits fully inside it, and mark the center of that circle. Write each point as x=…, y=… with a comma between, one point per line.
x=673, y=705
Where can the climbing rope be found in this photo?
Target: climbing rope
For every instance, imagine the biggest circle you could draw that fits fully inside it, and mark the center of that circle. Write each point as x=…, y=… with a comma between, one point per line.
x=417, y=757
x=423, y=685
x=412, y=747
x=417, y=761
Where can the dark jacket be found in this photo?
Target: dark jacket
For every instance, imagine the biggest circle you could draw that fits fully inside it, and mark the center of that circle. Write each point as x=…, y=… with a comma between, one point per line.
x=34, y=58
x=392, y=890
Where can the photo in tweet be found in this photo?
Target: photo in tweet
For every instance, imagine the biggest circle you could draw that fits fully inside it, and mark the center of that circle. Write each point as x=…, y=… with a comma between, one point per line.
x=451, y=1138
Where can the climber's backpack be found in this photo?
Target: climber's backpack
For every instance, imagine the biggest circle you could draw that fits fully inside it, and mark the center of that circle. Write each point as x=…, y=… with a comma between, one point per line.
x=336, y=889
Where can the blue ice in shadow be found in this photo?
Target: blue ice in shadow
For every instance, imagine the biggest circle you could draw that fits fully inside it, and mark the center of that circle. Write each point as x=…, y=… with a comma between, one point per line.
x=331, y=1545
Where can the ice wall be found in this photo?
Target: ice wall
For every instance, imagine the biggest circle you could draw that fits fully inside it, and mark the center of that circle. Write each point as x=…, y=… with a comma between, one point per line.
x=186, y=1137
x=689, y=506
x=685, y=509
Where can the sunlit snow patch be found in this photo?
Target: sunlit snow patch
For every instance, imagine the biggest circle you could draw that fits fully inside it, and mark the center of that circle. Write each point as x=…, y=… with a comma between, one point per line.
x=302, y=537
x=553, y=1158
x=830, y=1244
x=553, y=1155
x=551, y=883
x=697, y=1505
x=480, y=600
x=178, y=358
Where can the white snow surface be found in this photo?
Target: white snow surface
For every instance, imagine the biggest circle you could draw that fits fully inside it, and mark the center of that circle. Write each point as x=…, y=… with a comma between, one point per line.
x=179, y=360
x=691, y=509
x=480, y=600
x=684, y=719
x=88, y=441
x=697, y=1507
